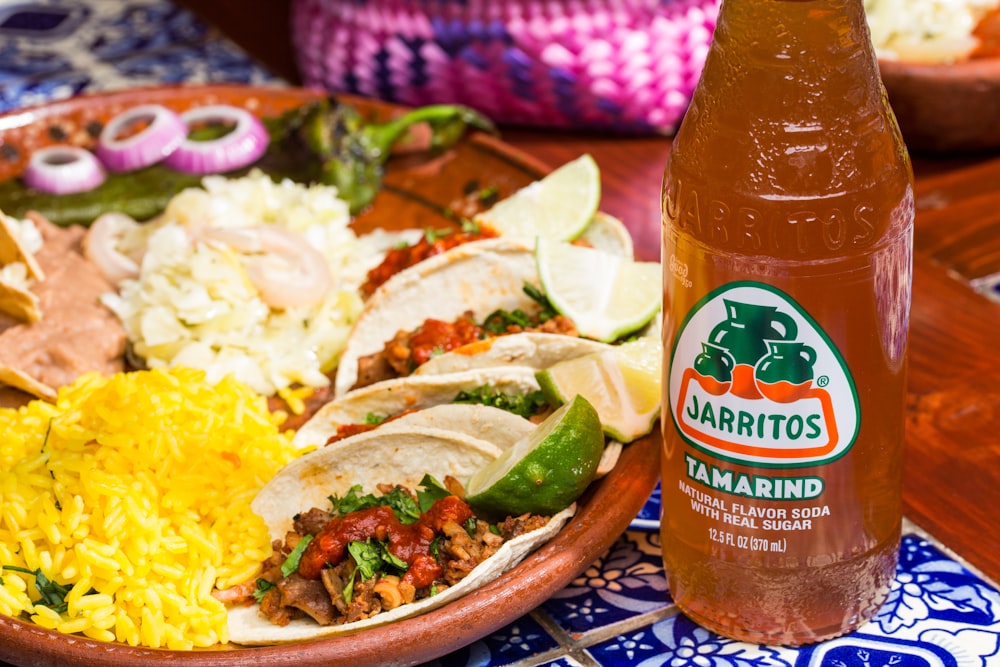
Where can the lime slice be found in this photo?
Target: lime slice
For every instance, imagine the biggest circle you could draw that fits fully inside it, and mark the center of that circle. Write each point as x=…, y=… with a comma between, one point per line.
x=623, y=383
x=606, y=295
x=547, y=470
x=559, y=206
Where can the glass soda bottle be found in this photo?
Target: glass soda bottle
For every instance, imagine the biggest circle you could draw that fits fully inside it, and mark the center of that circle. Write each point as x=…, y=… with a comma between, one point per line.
x=787, y=249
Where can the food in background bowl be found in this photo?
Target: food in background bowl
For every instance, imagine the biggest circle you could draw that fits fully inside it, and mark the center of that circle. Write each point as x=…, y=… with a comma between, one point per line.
x=934, y=31
x=940, y=63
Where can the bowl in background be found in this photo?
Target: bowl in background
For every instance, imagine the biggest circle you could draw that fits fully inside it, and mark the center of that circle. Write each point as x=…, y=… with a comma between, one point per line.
x=946, y=108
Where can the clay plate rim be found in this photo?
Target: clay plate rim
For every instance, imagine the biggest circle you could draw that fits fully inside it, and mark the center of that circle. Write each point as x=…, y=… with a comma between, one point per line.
x=604, y=512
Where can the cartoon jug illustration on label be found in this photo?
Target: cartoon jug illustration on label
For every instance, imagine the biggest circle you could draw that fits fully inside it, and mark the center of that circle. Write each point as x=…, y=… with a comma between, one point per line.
x=785, y=374
x=715, y=369
x=745, y=335
x=755, y=380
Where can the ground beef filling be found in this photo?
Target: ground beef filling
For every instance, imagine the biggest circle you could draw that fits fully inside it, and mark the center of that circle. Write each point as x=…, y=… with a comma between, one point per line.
x=409, y=349
x=439, y=549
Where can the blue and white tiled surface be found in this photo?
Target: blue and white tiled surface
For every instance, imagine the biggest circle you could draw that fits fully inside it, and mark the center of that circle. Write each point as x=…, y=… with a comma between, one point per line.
x=988, y=286
x=618, y=612
x=54, y=49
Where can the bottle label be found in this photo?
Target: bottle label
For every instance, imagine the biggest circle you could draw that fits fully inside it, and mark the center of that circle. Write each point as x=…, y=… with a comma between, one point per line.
x=755, y=380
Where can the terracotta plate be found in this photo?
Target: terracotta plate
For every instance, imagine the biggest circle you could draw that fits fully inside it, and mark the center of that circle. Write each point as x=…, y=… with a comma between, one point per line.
x=417, y=190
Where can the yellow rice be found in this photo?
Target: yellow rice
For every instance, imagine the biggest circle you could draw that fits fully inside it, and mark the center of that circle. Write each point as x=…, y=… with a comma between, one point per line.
x=135, y=491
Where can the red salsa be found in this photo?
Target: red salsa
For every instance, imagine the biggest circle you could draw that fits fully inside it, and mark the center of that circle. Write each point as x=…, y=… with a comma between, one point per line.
x=432, y=243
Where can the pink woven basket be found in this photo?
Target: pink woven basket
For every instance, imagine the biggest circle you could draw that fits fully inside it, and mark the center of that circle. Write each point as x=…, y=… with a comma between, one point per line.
x=627, y=65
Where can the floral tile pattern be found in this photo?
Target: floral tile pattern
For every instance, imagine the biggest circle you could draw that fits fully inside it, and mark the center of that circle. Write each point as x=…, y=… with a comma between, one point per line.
x=625, y=582
x=617, y=612
x=54, y=49
x=988, y=286
x=509, y=645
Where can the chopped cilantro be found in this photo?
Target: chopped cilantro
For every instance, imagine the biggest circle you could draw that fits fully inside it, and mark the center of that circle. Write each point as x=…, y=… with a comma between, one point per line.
x=371, y=557
x=263, y=586
x=53, y=595
x=498, y=321
x=430, y=492
x=536, y=295
x=470, y=526
x=431, y=235
x=401, y=503
x=525, y=405
x=373, y=419
x=291, y=563
x=488, y=196
x=367, y=556
x=434, y=548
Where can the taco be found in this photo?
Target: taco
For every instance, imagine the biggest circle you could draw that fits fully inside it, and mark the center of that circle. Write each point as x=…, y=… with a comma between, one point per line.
x=500, y=405
x=377, y=402
x=472, y=280
x=346, y=571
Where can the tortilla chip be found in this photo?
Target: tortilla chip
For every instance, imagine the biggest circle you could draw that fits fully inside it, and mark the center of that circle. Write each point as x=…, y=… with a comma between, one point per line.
x=14, y=301
x=19, y=380
x=12, y=251
x=18, y=303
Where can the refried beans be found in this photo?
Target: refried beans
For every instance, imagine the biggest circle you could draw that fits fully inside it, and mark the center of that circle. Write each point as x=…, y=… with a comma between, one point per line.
x=76, y=334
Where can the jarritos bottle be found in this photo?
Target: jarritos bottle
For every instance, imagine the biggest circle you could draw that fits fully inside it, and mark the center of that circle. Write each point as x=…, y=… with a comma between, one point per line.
x=787, y=252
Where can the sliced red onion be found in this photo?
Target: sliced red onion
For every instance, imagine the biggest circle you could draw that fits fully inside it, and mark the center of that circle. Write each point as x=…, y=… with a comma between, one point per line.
x=238, y=148
x=63, y=170
x=164, y=134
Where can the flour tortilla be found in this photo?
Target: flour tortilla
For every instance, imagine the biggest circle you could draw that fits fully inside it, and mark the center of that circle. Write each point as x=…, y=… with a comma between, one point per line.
x=368, y=459
x=478, y=277
x=483, y=423
x=391, y=397
x=609, y=234
x=532, y=349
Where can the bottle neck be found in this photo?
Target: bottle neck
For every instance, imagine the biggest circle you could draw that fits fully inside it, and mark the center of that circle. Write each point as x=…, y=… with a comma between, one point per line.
x=810, y=43
x=790, y=100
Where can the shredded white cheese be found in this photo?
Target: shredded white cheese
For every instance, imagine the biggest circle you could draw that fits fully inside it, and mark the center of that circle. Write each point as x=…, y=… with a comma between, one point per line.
x=194, y=305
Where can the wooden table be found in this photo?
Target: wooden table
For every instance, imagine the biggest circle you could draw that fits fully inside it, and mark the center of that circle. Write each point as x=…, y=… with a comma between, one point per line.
x=952, y=468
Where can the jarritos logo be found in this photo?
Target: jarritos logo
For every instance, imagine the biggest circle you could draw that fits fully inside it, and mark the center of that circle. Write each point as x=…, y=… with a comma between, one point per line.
x=754, y=380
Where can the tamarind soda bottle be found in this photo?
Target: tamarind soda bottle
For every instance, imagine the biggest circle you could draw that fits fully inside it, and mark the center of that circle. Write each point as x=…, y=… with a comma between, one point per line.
x=787, y=249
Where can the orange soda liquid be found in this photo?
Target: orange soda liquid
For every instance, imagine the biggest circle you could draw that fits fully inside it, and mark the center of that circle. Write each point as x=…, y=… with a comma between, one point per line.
x=787, y=250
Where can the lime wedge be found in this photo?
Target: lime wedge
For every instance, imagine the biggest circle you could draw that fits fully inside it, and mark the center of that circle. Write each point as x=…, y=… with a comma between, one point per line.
x=559, y=206
x=545, y=471
x=606, y=295
x=623, y=383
